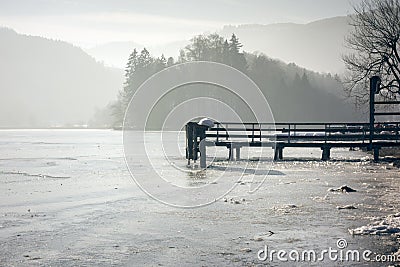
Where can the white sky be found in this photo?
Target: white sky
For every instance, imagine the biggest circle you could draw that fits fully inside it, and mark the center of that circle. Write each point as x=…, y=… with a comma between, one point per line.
x=153, y=22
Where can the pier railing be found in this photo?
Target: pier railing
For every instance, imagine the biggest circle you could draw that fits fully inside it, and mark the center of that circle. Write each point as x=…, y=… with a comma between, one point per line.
x=300, y=132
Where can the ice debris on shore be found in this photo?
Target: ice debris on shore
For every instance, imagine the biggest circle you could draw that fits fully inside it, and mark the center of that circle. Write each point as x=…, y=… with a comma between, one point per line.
x=234, y=201
x=385, y=226
x=346, y=207
x=262, y=236
x=343, y=189
x=287, y=208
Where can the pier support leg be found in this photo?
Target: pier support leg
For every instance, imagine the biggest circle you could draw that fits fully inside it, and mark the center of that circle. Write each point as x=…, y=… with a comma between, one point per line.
x=278, y=152
x=376, y=154
x=326, y=153
x=203, y=154
x=237, y=153
x=231, y=157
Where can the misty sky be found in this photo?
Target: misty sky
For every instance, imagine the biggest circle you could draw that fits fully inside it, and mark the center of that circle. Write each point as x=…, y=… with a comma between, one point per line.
x=92, y=22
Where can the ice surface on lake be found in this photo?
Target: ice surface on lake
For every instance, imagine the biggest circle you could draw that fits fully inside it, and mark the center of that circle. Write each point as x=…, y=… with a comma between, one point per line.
x=67, y=199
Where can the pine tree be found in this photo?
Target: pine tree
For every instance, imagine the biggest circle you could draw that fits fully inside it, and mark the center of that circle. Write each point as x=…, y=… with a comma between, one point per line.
x=144, y=58
x=138, y=69
x=160, y=63
x=234, y=44
x=237, y=58
x=163, y=60
x=170, y=62
x=132, y=61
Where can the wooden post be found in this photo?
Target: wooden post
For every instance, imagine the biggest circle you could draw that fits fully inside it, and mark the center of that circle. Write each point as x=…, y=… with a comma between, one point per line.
x=203, y=154
x=376, y=154
x=195, y=144
x=201, y=146
x=326, y=153
x=237, y=153
x=231, y=157
x=280, y=153
x=374, y=83
x=252, y=134
x=189, y=142
x=323, y=154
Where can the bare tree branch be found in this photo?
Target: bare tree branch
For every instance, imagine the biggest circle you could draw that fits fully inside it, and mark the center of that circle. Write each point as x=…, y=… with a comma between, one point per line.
x=375, y=42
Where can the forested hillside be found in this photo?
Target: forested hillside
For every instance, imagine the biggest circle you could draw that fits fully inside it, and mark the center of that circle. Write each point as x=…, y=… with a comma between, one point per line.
x=294, y=94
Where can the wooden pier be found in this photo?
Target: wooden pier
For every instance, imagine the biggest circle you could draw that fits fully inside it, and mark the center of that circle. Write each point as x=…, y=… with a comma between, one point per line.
x=278, y=136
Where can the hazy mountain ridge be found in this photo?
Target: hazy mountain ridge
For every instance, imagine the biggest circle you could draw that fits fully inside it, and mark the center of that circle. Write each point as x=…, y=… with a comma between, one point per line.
x=46, y=83
x=317, y=45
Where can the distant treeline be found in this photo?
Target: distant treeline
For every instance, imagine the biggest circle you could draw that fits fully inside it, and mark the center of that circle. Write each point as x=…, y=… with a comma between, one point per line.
x=294, y=93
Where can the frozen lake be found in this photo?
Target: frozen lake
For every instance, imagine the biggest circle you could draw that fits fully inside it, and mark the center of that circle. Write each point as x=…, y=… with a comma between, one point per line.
x=68, y=199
